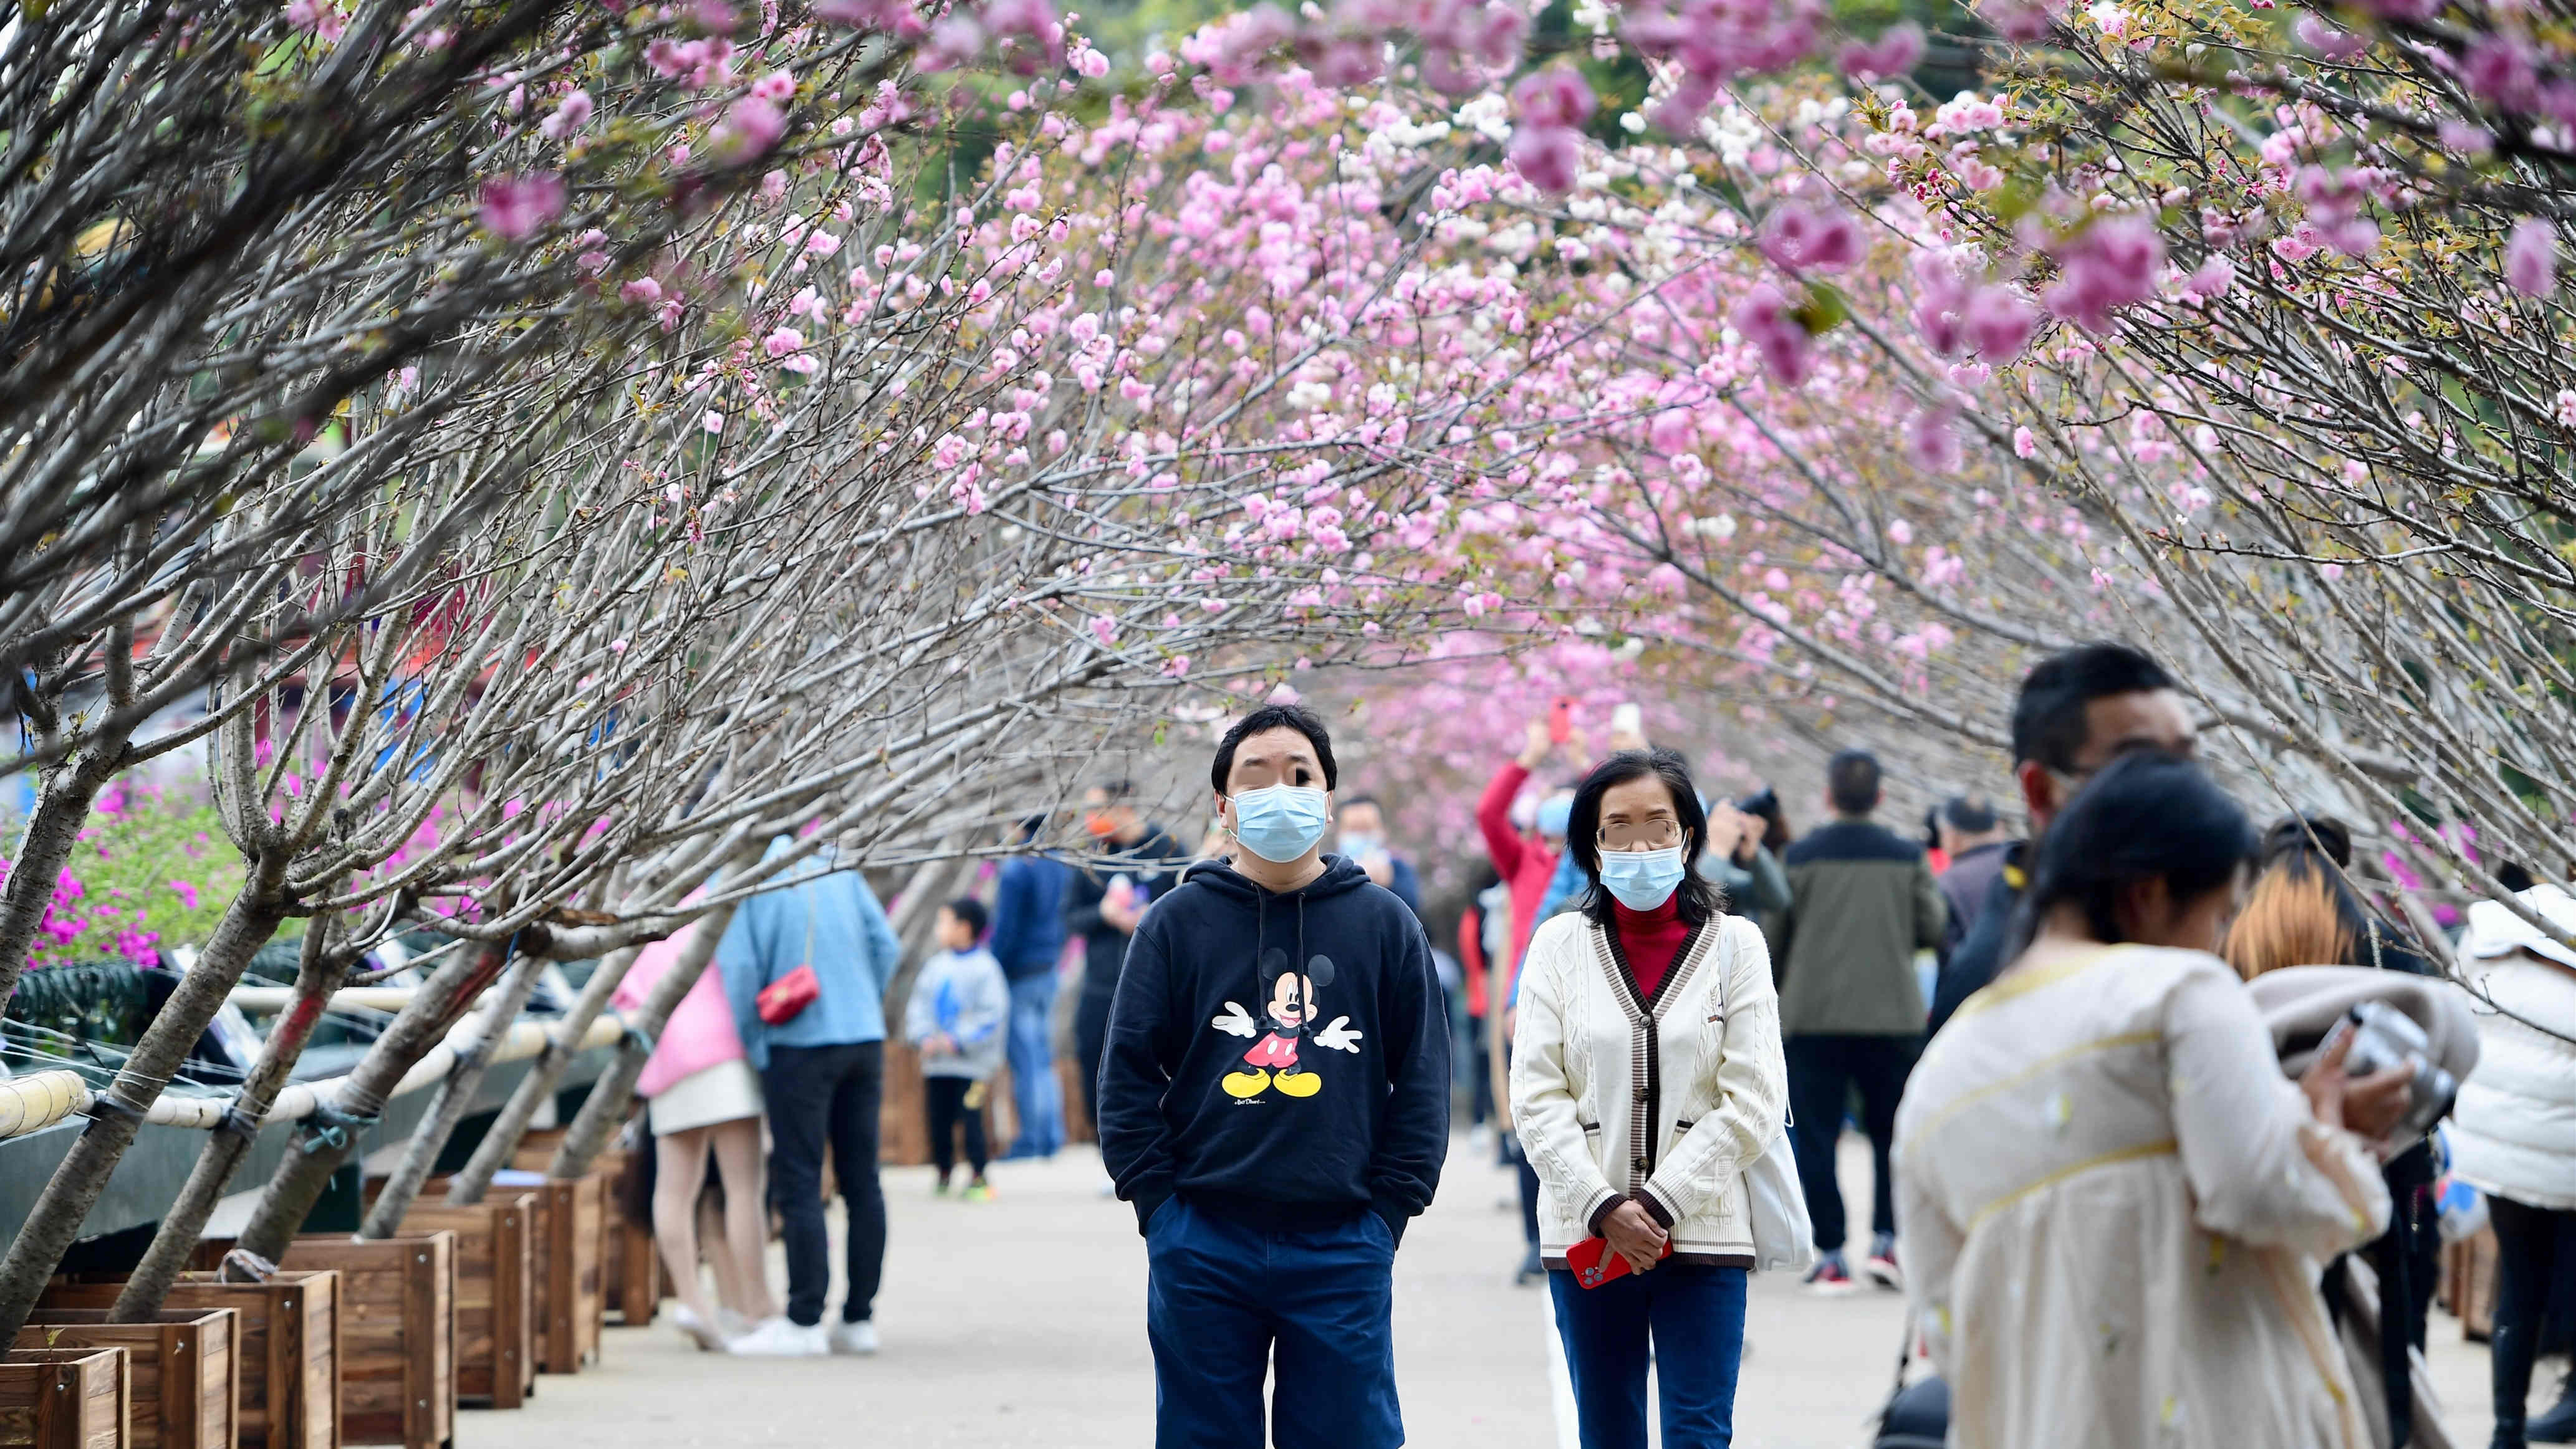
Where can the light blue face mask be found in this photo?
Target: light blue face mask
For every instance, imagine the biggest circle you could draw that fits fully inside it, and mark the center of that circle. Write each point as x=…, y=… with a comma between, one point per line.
x=1279, y=823
x=1642, y=879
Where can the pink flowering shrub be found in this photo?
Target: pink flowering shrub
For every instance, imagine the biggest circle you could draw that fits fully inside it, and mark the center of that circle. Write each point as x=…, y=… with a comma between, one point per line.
x=150, y=871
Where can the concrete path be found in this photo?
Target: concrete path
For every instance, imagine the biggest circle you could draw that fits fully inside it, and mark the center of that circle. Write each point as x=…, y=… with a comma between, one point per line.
x=1020, y=1323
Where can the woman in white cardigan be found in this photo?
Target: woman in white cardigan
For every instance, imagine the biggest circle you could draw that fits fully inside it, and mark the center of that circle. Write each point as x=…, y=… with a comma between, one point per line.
x=1646, y=1074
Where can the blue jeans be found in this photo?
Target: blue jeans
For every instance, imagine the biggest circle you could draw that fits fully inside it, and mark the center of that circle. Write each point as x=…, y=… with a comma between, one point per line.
x=1695, y=1317
x=1035, y=1092
x=1223, y=1300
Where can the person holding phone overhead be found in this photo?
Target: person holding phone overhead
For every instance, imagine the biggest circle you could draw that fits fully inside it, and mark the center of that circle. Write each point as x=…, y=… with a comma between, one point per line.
x=1647, y=1077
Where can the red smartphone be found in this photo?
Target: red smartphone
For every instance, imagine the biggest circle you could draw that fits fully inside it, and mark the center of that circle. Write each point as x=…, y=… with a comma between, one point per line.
x=1594, y=1264
x=1560, y=719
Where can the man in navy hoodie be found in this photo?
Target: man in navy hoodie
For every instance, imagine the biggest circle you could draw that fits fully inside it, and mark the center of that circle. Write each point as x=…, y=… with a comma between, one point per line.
x=1275, y=1102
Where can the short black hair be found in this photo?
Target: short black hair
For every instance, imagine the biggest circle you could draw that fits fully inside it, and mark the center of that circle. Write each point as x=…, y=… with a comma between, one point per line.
x=2148, y=815
x=1033, y=826
x=1852, y=781
x=2514, y=877
x=1353, y=802
x=1116, y=788
x=972, y=912
x=1700, y=898
x=2048, y=719
x=1274, y=717
x=1969, y=814
x=2305, y=834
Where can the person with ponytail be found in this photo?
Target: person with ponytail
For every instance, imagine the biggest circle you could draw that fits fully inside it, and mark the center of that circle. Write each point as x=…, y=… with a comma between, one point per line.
x=1646, y=1076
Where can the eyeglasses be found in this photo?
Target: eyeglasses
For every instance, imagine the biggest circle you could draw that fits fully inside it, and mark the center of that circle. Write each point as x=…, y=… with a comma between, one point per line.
x=1641, y=835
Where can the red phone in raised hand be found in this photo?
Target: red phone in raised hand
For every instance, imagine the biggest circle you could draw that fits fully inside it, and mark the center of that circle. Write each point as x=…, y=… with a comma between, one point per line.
x=1560, y=719
x=1594, y=1264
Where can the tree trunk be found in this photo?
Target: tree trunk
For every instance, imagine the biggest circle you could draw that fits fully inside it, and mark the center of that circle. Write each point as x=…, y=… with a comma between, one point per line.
x=52, y=829
x=317, y=974
x=326, y=1141
x=493, y=1153
x=605, y=1109
x=73, y=1190
x=455, y=1098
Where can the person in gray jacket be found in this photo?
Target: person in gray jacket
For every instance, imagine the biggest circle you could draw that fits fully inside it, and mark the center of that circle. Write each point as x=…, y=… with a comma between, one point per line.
x=960, y=1005
x=1861, y=902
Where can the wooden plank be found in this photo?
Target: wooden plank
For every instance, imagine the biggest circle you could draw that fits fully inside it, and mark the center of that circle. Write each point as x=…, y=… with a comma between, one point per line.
x=180, y=1369
x=288, y=1349
x=64, y=1398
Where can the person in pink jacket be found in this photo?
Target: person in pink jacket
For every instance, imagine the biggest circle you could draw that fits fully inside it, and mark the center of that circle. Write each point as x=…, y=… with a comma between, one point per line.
x=702, y=1097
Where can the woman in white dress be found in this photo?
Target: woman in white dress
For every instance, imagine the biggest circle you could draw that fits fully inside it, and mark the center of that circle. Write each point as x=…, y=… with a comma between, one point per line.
x=2112, y=1205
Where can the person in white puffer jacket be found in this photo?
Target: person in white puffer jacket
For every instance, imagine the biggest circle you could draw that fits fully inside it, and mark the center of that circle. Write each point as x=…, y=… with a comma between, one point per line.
x=2513, y=1135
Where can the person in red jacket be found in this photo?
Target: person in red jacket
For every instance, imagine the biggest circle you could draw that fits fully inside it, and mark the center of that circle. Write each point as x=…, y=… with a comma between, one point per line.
x=1527, y=862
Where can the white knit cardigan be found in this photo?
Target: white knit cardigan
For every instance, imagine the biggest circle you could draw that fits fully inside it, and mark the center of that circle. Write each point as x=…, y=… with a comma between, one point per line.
x=1665, y=1099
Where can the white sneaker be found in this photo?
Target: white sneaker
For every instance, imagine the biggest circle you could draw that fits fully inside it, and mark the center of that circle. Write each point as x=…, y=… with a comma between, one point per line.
x=782, y=1338
x=696, y=1330
x=733, y=1324
x=855, y=1338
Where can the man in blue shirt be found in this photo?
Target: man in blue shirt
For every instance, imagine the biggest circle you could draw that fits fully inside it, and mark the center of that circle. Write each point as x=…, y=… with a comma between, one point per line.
x=1028, y=939
x=823, y=1074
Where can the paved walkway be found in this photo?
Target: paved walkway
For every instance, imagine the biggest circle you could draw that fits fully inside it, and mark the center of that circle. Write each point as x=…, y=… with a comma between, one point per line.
x=1020, y=1322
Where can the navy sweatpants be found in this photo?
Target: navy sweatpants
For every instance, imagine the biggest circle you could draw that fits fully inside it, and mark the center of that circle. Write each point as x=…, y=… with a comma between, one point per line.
x=1225, y=1303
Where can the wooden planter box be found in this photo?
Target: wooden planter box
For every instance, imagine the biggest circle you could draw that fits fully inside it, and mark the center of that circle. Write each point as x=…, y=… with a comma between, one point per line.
x=493, y=1358
x=63, y=1398
x=289, y=1349
x=568, y=1287
x=182, y=1374
x=630, y=1281
x=397, y=1331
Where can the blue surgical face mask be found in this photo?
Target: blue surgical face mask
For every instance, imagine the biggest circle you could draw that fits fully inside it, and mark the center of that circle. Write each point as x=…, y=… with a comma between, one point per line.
x=1279, y=823
x=1360, y=847
x=1642, y=879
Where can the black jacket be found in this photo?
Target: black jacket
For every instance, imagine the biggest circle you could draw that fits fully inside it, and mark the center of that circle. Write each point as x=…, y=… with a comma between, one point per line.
x=1280, y=1098
x=1104, y=946
x=1975, y=960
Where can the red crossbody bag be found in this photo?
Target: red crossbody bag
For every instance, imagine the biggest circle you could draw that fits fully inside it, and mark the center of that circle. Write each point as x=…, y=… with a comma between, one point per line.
x=783, y=999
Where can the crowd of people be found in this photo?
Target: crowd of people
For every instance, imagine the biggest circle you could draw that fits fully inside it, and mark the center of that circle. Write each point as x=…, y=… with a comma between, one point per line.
x=2150, y=1094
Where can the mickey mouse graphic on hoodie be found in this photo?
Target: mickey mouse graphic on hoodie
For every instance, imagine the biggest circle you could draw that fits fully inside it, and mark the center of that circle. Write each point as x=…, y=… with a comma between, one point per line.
x=1288, y=1007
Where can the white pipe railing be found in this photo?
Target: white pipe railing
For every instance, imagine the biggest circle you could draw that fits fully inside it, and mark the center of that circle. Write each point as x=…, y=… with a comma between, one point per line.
x=269, y=1000
x=38, y=1100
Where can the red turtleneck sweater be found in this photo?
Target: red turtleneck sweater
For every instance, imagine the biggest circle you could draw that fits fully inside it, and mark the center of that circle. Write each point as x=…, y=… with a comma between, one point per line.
x=1651, y=940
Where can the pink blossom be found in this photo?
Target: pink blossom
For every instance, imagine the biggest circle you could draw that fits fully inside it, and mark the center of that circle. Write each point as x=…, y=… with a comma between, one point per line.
x=1999, y=323
x=514, y=207
x=2566, y=407
x=642, y=289
x=2023, y=22
x=1176, y=666
x=1557, y=96
x=1893, y=54
x=1548, y=157
x=2325, y=40
x=1766, y=320
x=570, y=115
x=1801, y=238
x=2531, y=258
x=186, y=891
x=747, y=132
x=2212, y=280
x=2023, y=443
x=713, y=422
x=2498, y=70
x=782, y=342
x=2111, y=264
x=1104, y=629
x=893, y=16
x=1932, y=440
x=775, y=87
